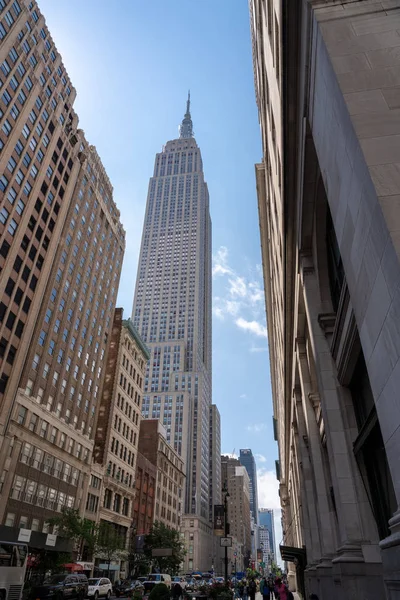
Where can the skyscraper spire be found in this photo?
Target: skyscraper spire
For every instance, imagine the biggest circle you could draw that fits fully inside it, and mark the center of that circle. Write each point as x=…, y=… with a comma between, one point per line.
x=186, y=127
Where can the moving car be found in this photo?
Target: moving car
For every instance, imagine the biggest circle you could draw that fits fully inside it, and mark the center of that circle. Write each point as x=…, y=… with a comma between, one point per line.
x=63, y=586
x=160, y=578
x=180, y=580
x=99, y=587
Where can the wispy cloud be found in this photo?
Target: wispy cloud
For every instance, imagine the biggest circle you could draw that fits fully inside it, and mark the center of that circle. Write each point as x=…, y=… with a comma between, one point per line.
x=259, y=349
x=243, y=396
x=256, y=428
x=260, y=458
x=242, y=300
x=252, y=326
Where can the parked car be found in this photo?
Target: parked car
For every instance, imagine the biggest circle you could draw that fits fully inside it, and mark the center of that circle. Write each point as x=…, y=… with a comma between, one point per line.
x=147, y=587
x=63, y=586
x=125, y=588
x=99, y=587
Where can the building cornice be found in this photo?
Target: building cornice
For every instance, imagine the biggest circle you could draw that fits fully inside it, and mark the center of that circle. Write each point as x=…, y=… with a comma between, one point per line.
x=128, y=324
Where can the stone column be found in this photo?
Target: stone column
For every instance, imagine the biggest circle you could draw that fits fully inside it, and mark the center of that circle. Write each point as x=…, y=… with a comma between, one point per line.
x=327, y=536
x=309, y=509
x=356, y=567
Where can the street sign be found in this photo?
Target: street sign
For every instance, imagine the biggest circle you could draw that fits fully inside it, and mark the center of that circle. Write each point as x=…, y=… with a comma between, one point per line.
x=262, y=564
x=161, y=552
x=226, y=542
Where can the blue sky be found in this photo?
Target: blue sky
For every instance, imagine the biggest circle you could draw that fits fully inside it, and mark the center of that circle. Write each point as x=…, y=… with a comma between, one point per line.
x=132, y=63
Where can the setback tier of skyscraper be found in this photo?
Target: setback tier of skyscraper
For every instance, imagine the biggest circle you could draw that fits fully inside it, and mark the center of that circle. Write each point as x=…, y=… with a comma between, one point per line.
x=172, y=307
x=61, y=251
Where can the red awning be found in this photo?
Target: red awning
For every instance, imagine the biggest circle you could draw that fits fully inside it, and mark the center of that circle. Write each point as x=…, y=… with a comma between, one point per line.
x=73, y=567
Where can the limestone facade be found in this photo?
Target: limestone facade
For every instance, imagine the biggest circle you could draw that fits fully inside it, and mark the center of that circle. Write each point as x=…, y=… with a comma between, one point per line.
x=327, y=76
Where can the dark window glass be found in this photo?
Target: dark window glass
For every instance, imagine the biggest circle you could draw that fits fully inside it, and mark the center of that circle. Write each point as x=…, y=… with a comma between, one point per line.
x=26, y=305
x=26, y=273
x=33, y=283
x=3, y=346
x=19, y=328
x=335, y=265
x=10, y=286
x=370, y=451
x=18, y=264
x=32, y=252
x=5, y=247
x=11, y=355
x=25, y=242
x=39, y=233
x=10, y=320
x=18, y=296
x=3, y=309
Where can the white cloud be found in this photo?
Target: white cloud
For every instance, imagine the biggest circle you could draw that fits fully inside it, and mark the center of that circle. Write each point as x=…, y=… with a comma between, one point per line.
x=220, y=262
x=230, y=454
x=252, y=326
x=259, y=349
x=243, y=296
x=243, y=396
x=256, y=428
x=260, y=458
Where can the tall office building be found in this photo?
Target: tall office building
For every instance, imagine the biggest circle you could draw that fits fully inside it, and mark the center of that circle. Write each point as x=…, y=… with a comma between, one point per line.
x=266, y=520
x=61, y=251
x=247, y=460
x=215, y=458
x=326, y=78
x=172, y=308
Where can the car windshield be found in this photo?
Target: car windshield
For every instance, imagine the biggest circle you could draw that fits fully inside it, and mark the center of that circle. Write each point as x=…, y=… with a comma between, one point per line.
x=55, y=579
x=93, y=581
x=154, y=577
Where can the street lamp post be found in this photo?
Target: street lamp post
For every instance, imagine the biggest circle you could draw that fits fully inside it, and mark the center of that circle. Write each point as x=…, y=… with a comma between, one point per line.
x=226, y=526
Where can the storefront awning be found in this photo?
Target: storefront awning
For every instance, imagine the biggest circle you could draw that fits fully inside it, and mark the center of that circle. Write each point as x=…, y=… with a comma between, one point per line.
x=294, y=555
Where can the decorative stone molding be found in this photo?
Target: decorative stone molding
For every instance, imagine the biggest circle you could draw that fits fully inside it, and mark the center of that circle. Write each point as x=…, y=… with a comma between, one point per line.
x=327, y=323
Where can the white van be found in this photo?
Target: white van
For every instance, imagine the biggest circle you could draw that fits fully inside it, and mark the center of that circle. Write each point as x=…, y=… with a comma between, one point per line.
x=160, y=578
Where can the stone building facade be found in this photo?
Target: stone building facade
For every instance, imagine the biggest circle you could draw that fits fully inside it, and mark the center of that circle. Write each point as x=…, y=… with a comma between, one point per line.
x=326, y=77
x=61, y=252
x=143, y=511
x=117, y=430
x=234, y=475
x=170, y=478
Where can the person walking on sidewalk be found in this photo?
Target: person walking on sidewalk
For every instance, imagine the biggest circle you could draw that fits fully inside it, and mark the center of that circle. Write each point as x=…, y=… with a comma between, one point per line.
x=264, y=589
x=281, y=590
x=252, y=588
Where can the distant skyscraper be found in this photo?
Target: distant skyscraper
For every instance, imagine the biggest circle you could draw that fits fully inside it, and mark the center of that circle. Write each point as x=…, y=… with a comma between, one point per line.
x=247, y=460
x=172, y=308
x=266, y=519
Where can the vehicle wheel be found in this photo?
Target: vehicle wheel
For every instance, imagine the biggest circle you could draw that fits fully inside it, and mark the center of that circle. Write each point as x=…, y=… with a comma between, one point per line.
x=96, y=596
x=108, y=595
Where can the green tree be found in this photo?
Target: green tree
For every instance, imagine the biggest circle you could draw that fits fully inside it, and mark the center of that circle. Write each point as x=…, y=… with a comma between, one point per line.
x=70, y=525
x=110, y=544
x=161, y=536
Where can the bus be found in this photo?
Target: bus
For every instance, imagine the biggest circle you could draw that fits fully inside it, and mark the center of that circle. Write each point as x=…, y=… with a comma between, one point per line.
x=13, y=560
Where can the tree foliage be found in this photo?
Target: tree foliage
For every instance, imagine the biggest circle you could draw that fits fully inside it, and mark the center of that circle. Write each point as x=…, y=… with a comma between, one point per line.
x=110, y=544
x=70, y=525
x=161, y=536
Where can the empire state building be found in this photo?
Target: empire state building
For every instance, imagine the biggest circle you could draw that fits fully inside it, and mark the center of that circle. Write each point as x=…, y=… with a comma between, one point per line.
x=172, y=309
